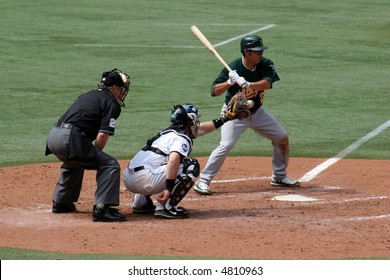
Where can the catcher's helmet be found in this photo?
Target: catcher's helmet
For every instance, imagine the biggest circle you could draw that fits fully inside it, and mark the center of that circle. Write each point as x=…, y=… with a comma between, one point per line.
x=252, y=42
x=184, y=115
x=118, y=78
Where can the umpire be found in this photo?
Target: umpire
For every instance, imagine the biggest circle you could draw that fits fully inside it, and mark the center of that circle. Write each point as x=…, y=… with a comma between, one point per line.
x=92, y=117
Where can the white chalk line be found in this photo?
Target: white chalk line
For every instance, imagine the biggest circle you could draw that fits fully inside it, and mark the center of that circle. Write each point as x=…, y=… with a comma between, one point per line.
x=363, y=198
x=326, y=221
x=242, y=179
x=267, y=194
x=242, y=35
x=325, y=188
x=317, y=170
x=362, y=218
x=352, y=199
x=175, y=46
x=206, y=24
x=314, y=172
x=138, y=46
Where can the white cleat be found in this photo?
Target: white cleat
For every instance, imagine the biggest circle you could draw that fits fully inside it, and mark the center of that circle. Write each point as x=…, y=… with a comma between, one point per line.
x=202, y=188
x=285, y=182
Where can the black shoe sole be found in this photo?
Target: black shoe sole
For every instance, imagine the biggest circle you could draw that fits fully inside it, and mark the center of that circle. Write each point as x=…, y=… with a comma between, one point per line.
x=107, y=221
x=167, y=216
x=63, y=208
x=276, y=184
x=107, y=215
x=60, y=211
x=143, y=211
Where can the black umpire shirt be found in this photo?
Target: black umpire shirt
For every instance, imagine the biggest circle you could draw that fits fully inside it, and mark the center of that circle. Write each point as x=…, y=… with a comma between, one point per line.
x=93, y=112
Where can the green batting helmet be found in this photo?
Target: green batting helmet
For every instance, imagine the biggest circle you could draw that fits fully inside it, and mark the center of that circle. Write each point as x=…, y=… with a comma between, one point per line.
x=252, y=42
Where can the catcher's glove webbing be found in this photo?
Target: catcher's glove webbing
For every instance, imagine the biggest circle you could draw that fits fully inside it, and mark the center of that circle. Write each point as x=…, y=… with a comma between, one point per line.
x=237, y=107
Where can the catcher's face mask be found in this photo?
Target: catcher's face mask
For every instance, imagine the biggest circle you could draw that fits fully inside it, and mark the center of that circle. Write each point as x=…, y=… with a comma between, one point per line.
x=186, y=115
x=195, y=128
x=193, y=115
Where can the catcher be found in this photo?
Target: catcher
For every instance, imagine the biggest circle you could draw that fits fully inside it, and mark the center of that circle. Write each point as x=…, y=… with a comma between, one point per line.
x=253, y=74
x=163, y=167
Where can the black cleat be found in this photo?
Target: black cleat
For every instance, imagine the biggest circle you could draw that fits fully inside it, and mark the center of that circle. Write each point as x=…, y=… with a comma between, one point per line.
x=107, y=214
x=63, y=208
x=173, y=213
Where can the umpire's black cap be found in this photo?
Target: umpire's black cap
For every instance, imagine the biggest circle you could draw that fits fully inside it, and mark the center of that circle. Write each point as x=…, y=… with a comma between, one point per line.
x=115, y=77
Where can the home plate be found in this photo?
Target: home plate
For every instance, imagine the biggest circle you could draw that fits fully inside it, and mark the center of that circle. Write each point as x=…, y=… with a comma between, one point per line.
x=294, y=197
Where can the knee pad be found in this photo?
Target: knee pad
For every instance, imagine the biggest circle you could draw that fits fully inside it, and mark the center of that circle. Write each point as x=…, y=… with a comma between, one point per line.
x=191, y=167
x=191, y=170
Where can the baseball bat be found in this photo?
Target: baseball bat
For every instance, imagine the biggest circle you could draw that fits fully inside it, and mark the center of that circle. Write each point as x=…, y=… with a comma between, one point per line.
x=208, y=46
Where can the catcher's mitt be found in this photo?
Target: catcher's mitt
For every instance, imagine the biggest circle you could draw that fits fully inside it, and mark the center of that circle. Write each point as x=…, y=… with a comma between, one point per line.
x=237, y=107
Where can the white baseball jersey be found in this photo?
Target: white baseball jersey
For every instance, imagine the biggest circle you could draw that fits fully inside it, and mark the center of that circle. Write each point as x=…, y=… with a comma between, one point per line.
x=151, y=179
x=169, y=141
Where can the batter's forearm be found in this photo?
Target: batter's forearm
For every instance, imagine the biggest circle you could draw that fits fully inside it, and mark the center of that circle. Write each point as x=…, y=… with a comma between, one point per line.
x=219, y=89
x=261, y=85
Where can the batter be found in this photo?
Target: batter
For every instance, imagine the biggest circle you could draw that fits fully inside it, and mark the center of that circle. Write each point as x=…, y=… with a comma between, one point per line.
x=252, y=74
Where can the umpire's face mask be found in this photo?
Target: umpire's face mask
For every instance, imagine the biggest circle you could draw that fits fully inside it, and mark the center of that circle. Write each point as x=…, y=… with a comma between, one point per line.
x=122, y=96
x=125, y=88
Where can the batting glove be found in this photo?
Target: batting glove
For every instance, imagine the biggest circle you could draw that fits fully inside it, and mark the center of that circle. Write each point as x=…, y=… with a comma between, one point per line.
x=233, y=77
x=243, y=83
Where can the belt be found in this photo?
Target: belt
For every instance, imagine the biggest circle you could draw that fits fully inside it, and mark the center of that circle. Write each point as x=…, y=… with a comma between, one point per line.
x=63, y=125
x=139, y=168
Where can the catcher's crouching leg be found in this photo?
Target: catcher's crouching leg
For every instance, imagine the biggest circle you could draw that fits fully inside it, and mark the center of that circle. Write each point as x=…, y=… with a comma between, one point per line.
x=191, y=170
x=171, y=211
x=183, y=184
x=179, y=191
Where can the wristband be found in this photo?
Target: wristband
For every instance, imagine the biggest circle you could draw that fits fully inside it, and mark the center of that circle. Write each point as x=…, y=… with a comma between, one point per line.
x=170, y=184
x=219, y=122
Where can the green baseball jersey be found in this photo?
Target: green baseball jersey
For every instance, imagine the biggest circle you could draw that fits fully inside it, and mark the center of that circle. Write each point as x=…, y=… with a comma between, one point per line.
x=264, y=69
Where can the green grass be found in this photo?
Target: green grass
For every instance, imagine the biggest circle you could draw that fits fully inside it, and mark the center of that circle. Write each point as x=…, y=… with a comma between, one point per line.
x=333, y=58
x=7, y=253
x=333, y=65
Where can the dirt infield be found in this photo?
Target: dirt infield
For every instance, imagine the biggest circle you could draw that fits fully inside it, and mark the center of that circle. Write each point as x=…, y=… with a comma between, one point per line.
x=349, y=219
